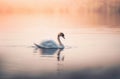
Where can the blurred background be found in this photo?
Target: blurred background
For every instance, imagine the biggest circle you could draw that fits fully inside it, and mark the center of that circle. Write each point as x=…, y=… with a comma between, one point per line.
x=91, y=29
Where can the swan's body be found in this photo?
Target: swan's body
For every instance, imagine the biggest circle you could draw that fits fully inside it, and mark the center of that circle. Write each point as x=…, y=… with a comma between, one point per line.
x=50, y=44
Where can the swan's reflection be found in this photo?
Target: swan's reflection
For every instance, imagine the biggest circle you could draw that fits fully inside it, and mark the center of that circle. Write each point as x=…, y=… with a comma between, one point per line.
x=59, y=57
x=60, y=64
x=48, y=51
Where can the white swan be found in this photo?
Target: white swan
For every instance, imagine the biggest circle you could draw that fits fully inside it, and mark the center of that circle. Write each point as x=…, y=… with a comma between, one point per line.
x=50, y=44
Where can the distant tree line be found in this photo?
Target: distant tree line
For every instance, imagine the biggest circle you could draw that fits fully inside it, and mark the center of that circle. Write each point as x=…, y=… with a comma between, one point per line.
x=101, y=6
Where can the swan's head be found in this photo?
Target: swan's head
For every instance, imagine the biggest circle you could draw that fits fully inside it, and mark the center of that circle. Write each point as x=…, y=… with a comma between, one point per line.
x=61, y=34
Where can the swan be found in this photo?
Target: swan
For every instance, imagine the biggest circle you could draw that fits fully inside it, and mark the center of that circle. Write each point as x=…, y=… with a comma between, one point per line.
x=50, y=44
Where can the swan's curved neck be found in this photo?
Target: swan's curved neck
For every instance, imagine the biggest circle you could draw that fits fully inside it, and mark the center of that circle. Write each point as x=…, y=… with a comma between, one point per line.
x=60, y=43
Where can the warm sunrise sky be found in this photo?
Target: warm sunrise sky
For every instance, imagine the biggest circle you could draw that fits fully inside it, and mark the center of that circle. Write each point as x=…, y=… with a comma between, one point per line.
x=22, y=6
x=71, y=8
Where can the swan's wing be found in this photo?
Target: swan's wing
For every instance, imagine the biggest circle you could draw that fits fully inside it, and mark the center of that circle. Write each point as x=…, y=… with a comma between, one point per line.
x=49, y=44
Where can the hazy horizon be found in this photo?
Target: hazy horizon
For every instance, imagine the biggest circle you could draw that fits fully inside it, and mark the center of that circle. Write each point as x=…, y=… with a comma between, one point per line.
x=58, y=6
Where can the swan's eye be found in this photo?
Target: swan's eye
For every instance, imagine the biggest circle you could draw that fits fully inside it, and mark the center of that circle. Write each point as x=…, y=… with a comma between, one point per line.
x=63, y=36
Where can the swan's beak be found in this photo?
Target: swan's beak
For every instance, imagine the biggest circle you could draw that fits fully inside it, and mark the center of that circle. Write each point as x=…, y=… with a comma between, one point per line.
x=63, y=37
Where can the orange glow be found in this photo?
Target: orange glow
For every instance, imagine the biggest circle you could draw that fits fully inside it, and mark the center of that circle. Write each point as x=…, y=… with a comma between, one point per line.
x=76, y=12
x=51, y=6
x=26, y=7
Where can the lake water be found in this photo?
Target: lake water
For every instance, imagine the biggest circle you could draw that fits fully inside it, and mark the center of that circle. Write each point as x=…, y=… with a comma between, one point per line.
x=92, y=47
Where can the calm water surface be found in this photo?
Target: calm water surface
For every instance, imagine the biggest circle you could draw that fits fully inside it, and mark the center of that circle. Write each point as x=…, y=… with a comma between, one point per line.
x=90, y=53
